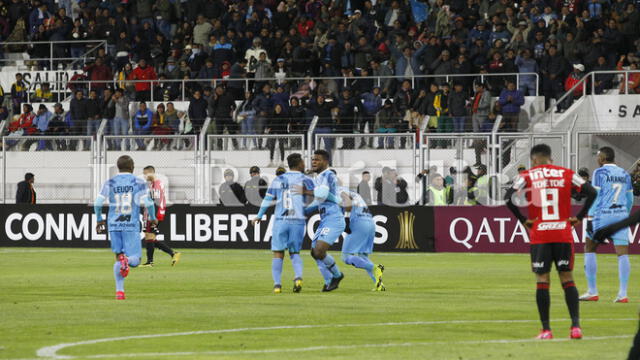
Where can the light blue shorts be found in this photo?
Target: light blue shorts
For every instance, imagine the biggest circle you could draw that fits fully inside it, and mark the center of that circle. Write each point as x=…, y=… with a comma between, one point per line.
x=329, y=230
x=287, y=236
x=127, y=242
x=360, y=241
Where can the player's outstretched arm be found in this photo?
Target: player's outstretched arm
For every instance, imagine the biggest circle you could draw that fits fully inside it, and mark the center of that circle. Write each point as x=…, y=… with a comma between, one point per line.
x=266, y=203
x=609, y=230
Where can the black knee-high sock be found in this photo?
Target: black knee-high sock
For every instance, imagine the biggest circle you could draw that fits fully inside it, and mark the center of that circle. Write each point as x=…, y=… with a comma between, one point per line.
x=544, y=302
x=160, y=245
x=150, y=249
x=634, y=353
x=573, y=302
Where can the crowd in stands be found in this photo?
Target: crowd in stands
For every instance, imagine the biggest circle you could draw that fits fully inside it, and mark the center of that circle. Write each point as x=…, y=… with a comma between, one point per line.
x=242, y=52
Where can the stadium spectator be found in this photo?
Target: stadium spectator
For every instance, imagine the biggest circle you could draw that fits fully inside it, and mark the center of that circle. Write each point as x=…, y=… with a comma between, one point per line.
x=632, y=83
x=99, y=74
x=120, y=124
x=142, y=120
x=255, y=188
x=143, y=72
x=364, y=190
x=18, y=93
x=391, y=189
x=22, y=125
x=197, y=111
x=59, y=125
x=277, y=123
x=41, y=123
x=573, y=80
x=43, y=94
x=511, y=100
x=458, y=108
x=438, y=193
x=223, y=106
x=231, y=193
x=25, y=193
x=387, y=118
x=480, y=107
x=93, y=118
x=602, y=82
x=160, y=126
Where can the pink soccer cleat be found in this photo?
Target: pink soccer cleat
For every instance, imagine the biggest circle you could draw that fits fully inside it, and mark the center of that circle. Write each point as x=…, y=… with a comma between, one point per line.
x=576, y=333
x=545, y=335
x=120, y=295
x=124, y=265
x=622, y=300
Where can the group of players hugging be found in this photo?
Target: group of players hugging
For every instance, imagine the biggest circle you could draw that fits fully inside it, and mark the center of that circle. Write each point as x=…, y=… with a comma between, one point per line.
x=546, y=188
x=295, y=196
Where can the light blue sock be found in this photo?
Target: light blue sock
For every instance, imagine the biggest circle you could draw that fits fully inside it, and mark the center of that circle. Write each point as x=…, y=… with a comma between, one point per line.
x=331, y=265
x=369, y=270
x=590, y=270
x=326, y=274
x=361, y=262
x=296, y=262
x=119, y=278
x=276, y=270
x=624, y=269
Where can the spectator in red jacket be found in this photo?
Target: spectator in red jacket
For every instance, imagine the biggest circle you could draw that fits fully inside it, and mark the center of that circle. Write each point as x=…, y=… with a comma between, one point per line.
x=100, y=73
x=143, y=72
x=572, y=80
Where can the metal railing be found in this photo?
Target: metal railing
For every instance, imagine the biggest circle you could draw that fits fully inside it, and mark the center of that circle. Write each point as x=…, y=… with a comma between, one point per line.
x=51, y=59
x=249, y=84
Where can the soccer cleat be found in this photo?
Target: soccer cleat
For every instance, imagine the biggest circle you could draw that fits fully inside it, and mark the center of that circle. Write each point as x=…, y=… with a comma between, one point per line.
x=545, y=335
x=124, y=265
x=175, y=258
x=120, y=295
x=377, y=273
x=147, y=264
x=589, y=297
x=622, y=300
x=576, y=333
x=297, y=285
x=334, y=283
x=277, y=289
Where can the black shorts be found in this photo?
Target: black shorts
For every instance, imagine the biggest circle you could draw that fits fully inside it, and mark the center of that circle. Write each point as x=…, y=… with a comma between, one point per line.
x=543, y=255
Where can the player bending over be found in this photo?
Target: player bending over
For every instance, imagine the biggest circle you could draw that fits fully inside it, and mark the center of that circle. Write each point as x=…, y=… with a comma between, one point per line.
x=606, y=233
x=332, y=222
x=613, y=203
x=548, y=192
x=358, y=244
x=126, y=193
x=290, y=221
x=157, y=194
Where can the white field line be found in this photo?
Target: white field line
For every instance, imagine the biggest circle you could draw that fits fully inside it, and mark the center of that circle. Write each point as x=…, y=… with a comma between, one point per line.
x=51, y=352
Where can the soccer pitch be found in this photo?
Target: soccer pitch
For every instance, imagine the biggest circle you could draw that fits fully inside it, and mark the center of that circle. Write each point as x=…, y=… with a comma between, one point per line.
x=219, y=304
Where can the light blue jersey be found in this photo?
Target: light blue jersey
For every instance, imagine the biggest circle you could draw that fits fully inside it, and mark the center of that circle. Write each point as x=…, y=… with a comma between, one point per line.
x=290, y=220
x=289, y=201
x=360, y=239
x=614, y=200
x=327, y=190
x=127, y=193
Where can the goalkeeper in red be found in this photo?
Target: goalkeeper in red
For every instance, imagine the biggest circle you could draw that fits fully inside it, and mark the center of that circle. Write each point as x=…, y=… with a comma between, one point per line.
x=158, y=195
x=548, y=192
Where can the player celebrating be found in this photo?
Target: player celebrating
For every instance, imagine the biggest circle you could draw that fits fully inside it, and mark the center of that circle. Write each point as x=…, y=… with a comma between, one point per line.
x=157, y=193
x=290, y=221
x=126, y=193
x=359, y=242
x=548, y=191
x=613, y=203
x=332, y=222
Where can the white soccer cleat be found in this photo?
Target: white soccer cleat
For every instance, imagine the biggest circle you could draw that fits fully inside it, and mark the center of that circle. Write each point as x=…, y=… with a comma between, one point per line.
x=621, y=299
x=589, y=297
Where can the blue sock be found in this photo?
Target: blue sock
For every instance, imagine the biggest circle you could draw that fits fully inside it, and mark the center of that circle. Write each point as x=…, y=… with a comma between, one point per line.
x=590, y=270
x=369, y=270
x=296, y=262
x=119, y=278
x=326, y=274
x=331, y=265
x=360, y=262
x=624, y=268
x=276, y=270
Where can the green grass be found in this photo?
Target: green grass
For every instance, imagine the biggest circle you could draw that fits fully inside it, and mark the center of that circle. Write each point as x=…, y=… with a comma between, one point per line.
x=49, y=297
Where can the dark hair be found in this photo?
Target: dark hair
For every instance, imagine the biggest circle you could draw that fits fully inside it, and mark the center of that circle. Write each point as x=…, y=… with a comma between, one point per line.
x=608, y=153
x=322, y=153
x=365, y=173
x=541, y=150
x=294, y=160
x=333, y=171
x=125, y=162
x=28, y=176
x=149, y=167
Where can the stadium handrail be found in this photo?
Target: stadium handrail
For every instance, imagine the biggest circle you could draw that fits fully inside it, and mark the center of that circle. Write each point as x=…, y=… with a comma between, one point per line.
x=625, y=74
x=278, y=80
x=51, y=59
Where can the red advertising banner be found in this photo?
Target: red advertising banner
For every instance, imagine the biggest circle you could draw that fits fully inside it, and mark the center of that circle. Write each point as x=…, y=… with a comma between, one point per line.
x=480, y=229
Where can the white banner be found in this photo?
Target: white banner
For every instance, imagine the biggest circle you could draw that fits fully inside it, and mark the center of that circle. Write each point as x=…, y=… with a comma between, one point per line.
x=56, y=78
